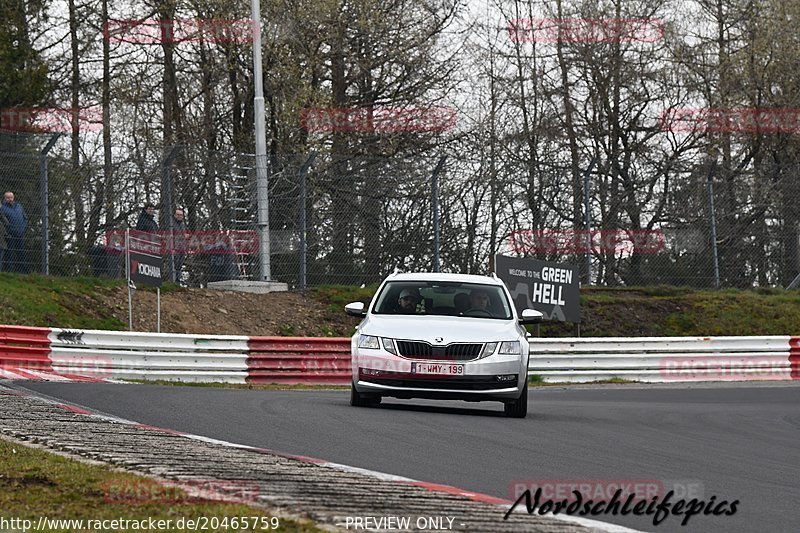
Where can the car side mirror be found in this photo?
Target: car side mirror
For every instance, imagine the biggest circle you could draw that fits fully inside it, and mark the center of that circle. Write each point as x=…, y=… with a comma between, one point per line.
x=355, y=309
x=531, y=316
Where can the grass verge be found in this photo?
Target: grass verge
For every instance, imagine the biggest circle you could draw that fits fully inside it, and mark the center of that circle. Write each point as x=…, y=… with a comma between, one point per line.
x=651, y=311
x=48, y=301
x=337, y=296
x=535, y=380
x=35, y=483
x=36, y=300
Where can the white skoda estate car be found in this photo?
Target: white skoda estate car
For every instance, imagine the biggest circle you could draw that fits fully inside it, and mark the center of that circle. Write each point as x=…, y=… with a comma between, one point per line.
x=441, y=336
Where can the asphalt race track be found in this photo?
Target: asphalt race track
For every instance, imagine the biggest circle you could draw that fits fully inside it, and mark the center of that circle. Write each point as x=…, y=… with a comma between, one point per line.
x=733, y=441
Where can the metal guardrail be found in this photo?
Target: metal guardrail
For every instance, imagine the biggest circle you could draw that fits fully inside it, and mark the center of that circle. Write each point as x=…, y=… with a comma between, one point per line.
x=45, y=353
x=149, y=356
x=299, y=360
x=665, y=359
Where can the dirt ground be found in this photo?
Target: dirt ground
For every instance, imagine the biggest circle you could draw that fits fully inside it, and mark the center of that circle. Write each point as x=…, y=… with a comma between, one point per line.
x=230, y=313
x=205, y=311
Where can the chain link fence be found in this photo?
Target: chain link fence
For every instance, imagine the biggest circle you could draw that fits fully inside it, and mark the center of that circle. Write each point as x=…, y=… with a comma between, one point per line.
x=353, y=219
x=25, y=230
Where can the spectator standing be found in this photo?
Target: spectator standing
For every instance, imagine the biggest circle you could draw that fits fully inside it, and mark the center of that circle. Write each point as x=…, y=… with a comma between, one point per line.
x=146, y=234
x=147, y=221
x=177, y=244
x=15, y=240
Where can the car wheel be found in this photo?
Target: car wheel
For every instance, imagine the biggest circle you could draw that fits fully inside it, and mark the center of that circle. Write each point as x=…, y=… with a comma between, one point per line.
x=360, y=400
x=519, y=407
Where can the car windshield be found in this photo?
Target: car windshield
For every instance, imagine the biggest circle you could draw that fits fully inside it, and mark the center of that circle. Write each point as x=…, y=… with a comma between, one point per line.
x=443, y=298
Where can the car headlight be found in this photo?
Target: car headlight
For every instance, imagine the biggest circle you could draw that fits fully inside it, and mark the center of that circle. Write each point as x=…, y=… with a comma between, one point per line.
x=488, y=349
x=510, y=348
x=388, y=345
x=368, y=342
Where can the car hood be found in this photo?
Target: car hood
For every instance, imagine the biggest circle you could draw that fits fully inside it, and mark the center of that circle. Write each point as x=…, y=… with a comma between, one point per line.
x=450, y=329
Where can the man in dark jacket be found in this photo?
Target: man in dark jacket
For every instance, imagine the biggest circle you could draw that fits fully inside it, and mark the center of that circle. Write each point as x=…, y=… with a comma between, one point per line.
x=17, y=224
x=147, y=221
x=146, y=233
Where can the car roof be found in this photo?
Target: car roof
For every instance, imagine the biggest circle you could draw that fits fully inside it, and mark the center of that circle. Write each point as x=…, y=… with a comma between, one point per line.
x=442, y=276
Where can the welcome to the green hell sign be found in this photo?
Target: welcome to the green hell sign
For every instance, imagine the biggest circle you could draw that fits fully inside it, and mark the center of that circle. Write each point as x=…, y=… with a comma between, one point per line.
x=552, y=288
x=544, y=293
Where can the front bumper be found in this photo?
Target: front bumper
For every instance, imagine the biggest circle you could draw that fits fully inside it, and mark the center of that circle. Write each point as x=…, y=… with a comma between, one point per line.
x=384, y=374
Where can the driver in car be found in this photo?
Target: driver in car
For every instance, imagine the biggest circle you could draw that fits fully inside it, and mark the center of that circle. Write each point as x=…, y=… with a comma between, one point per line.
x=479, y=300
x=407, y=302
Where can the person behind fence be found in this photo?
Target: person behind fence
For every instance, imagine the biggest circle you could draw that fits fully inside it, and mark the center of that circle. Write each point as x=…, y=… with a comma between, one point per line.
x=3, y=238
x=15, y=260
x=147, y=221
x=177, y=244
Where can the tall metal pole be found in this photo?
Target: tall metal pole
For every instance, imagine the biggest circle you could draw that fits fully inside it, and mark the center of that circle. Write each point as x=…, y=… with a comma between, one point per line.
x=303, y=243
x=588, y=220
x=128, y=277
x=261, y=147
x=166, y=206
x=158, y=309
x=43, y=185
x=712, y=213
x=435, y=206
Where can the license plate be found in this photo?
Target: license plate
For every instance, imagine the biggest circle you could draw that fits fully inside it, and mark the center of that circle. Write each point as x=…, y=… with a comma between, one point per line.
x=437, y=368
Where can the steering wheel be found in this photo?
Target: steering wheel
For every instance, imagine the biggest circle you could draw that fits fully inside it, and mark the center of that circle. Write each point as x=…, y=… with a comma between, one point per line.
x=478, y=312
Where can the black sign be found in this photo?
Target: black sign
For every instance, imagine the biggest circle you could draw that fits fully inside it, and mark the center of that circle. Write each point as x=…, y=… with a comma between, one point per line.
x=552, y=288
x=145, y=266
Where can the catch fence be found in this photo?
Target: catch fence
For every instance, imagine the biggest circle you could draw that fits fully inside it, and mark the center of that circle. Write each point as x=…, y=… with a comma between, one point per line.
x=352, y=219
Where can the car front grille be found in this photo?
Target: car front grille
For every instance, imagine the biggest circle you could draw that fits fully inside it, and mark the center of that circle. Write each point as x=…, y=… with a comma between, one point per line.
x=451, y=352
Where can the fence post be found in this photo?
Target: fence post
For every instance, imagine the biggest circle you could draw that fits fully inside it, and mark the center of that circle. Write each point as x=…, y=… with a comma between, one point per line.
x=435, y=207
x=166, y=203
x=588, y=215
x=303, y=244
x=43, y=184
x=712, y=213
x=262, y=178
